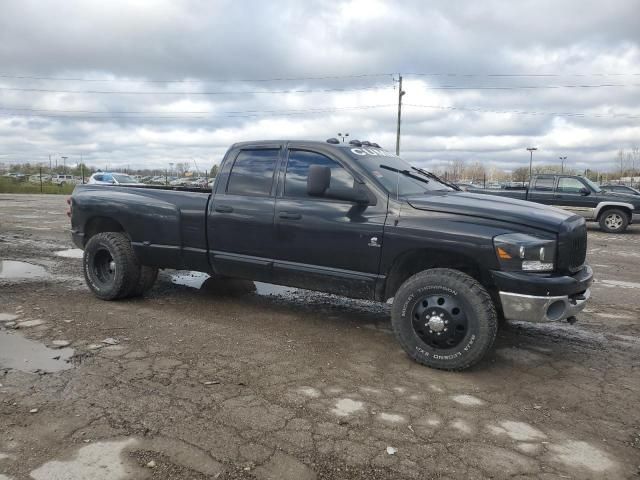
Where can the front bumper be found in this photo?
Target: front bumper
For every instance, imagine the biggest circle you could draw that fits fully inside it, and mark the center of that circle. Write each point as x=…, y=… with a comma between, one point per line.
x=530, y=308
x=543, y=298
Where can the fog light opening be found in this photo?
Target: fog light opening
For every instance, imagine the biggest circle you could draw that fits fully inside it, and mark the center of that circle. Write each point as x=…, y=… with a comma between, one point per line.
x=556, y=310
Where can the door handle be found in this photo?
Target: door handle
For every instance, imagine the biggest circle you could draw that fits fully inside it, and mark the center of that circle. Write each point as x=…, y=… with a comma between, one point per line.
x=223, y=209
x=289, y=216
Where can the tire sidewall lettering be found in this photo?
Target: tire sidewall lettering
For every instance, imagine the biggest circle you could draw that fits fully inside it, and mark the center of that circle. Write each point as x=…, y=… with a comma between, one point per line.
x=406, y=310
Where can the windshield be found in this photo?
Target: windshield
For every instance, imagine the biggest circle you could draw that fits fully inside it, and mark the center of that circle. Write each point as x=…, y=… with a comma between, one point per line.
x=123, y=179
x=596, y=188
x=396, y=175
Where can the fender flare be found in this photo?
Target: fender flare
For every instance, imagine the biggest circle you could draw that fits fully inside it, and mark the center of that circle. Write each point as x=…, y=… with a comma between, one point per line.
x=603, y=205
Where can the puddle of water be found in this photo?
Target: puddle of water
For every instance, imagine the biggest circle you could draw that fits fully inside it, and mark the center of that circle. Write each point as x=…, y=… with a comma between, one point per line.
x=189, y=279
x=203, y=281
x=520, y=431
x=310, y=392
x=468, y=400
x=19, y=353
x=392, y=418
x=98, y=461
x=70, y=253
x=346, y=406
x=618, y=283
x=582, y=455
x=11, y=269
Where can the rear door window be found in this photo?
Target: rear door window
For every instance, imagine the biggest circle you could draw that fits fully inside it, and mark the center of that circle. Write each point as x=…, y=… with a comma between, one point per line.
x=252, y=172
x=543, y=184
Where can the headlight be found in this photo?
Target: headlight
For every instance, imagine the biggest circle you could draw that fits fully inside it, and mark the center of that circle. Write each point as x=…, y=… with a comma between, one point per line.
x=522, y=252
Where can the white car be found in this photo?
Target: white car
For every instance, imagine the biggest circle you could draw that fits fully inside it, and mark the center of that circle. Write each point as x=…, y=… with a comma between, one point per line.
x=60, y=179
x=105, y=178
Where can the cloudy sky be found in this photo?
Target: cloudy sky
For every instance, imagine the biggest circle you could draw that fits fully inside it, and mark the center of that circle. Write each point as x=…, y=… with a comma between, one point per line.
x=145, y=83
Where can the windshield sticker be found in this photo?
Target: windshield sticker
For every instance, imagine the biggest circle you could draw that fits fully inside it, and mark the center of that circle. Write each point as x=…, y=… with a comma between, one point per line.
x=374, y=152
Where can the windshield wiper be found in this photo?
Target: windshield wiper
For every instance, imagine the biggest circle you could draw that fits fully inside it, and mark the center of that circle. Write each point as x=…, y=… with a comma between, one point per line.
x=406, y=173
x=436, y=178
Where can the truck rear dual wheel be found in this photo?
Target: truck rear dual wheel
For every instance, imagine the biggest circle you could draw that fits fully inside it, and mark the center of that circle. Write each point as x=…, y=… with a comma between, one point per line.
x=444, y=319
x=614, y=221
x=111, y=268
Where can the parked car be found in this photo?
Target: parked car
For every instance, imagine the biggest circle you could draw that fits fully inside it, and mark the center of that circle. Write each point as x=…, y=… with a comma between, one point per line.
x=38, y=178
x=620, y=189
x=106, y=178
x=613, y=211
x=59, y=179
x=353, y=220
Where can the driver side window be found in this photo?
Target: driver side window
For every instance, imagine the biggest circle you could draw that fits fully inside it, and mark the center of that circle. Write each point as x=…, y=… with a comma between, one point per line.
x=295, y=183
x=570, y=185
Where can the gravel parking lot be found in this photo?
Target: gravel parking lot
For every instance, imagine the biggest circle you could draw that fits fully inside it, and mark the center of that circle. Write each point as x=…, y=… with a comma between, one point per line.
x=207, y=380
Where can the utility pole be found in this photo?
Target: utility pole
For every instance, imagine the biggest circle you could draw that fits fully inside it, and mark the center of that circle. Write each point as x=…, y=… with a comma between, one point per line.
x=531, y=150
x=49, y=163
x=64, y=164
x=562, y=159
x=400, y=95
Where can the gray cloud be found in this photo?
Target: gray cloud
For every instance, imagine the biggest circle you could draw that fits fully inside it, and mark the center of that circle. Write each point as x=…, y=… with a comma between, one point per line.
x=202, y=42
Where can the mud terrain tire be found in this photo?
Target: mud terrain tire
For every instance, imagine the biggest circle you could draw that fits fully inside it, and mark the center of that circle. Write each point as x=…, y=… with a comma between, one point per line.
x=444, y=319
x=111, y=268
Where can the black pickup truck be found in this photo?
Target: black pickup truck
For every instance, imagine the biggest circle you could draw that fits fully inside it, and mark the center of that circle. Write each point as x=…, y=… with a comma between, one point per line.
x=353, y=220
x=613, y=210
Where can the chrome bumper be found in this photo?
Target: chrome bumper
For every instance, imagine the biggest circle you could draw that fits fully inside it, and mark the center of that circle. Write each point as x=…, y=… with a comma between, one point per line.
x=530, y=308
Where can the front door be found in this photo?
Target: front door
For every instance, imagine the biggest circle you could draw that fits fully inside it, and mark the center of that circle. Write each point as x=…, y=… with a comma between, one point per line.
x=240, y=227
x=570, y=195
x=322, y=241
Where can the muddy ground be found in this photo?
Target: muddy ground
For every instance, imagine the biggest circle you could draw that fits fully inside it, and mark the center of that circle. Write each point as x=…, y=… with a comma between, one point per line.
x=199, y=380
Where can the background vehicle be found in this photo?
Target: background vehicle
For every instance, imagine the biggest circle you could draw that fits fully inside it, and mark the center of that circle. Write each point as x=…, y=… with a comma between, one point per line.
x=353, y=220
x=613, y=211
x=620, y=189
x=60, y=179
x=106, y=178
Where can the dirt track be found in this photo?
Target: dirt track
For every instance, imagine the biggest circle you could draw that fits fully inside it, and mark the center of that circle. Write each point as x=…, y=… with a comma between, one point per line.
x=218, y=381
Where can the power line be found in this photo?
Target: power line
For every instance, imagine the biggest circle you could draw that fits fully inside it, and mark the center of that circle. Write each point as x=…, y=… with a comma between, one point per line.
x=522, y=112
x=529, y=87
x=521, y=75
x=236, y=92
x=171, y=115
x=229, y=80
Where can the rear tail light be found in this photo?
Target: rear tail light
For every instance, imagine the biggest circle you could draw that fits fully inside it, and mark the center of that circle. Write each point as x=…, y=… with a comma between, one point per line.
x=69, y=207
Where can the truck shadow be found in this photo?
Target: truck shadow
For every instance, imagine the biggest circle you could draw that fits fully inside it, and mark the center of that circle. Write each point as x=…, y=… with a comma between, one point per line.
x=519, y=344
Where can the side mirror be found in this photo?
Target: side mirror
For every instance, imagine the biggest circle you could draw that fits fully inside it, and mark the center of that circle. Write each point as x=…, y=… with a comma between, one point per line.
x=355, y=195
x=585, y=191
x=318, y=180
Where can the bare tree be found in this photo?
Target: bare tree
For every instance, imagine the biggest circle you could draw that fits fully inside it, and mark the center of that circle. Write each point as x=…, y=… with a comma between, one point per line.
x=520, y=174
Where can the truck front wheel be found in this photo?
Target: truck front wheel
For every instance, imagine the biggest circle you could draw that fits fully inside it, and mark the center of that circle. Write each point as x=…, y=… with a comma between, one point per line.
x=111, y=268
x=444, y=319
x=614, y=221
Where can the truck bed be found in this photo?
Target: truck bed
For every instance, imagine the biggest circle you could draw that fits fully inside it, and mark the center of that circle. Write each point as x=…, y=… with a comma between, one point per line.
x=167, y=225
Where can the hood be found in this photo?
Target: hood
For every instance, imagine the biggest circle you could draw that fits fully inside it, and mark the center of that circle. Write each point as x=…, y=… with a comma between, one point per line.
x=493, y=207
x=619, y=195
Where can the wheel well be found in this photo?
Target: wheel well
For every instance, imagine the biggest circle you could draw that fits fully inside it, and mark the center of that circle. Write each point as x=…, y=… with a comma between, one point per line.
x=410, y=263
x=99, y=225
x=605, y=209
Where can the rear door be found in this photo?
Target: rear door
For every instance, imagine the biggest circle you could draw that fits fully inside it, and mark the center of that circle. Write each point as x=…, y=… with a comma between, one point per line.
x=322, y=241
x=240, y=227
x=542, y=189
x=569, y=196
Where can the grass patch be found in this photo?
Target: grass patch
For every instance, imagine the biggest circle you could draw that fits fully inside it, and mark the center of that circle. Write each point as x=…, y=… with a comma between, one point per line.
x=8, y=185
